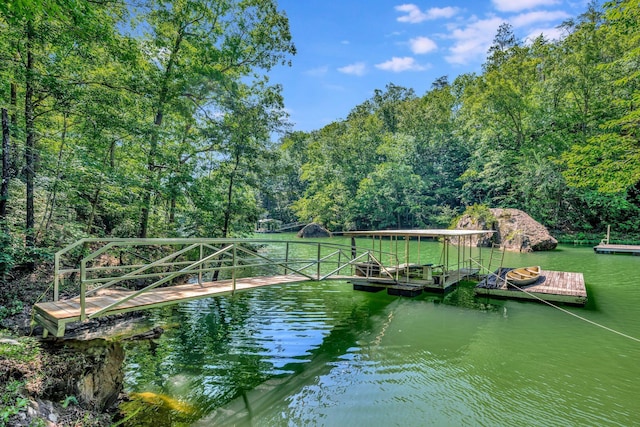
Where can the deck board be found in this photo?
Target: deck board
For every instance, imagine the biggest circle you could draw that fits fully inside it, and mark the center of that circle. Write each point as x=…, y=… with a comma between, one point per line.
x=59, y=313
x=604, y=248
x=552, y=286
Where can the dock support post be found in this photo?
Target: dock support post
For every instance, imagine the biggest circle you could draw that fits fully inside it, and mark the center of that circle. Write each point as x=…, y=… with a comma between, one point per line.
x=83, y=289
x=353, y=247
x=233, y=270
x=200, y=268
x=318, y=263
x=56, y=276
x=406, y=256
x=286, y=258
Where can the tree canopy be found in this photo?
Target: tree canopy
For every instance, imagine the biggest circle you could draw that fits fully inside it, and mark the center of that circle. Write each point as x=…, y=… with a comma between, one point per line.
x=159, y=120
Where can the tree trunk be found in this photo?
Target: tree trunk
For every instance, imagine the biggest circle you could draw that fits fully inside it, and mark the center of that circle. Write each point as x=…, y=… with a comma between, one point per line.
x=153, y=145
x=53, y=195
x=13, y=167
x=172, y=209
x=94, y=207
x=4, y=189
x=227, y=211
x=14, y=103
x=30, y=141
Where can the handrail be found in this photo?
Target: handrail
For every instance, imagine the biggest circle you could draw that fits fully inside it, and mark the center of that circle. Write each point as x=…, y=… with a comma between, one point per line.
x=196, y=257
x=277, y=263
x=153, y=285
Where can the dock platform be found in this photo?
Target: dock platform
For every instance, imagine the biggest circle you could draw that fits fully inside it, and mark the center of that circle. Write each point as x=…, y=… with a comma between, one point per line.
x=413, y=286
x=605, y=248
x=551, y=286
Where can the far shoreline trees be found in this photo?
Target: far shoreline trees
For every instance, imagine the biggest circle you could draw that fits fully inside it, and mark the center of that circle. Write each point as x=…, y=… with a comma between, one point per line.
x=549, y=127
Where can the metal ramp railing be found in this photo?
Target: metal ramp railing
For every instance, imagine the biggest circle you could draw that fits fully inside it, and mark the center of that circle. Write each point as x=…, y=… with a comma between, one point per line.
x=89, y=266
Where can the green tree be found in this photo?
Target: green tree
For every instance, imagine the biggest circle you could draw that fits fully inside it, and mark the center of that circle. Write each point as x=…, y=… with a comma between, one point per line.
x=39, y=37
x=609, y=157
x=196, y=50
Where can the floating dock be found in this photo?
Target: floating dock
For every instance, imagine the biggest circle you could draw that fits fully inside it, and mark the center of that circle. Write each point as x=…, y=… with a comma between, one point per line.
x=552, y=286
x=410, y=279
x=605, y=248
x=411, y=286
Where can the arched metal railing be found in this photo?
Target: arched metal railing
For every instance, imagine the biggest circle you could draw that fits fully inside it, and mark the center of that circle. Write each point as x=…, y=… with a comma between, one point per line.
x=91, y=265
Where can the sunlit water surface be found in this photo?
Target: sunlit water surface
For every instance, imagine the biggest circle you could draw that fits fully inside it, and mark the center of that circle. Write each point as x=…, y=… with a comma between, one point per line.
x=322, y=354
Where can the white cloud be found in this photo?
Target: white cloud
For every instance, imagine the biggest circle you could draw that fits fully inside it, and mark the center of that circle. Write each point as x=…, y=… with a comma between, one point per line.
x=398, y=65
x=317, y=72
x=414, y=15
x=549, y=34
x=526, y=19
x=420, y=45
x=356, y=69
x=473, y=41
x=518, y=5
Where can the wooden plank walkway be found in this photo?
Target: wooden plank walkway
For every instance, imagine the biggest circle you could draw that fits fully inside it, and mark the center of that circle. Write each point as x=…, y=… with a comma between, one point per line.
x=604, y=248
x=552, y=286
x=55, y=315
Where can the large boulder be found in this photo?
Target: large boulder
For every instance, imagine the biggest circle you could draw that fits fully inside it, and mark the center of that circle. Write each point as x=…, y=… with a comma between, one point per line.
x=314, y=230
x=514, y=231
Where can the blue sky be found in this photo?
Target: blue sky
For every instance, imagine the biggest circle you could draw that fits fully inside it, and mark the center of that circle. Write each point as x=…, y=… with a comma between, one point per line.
x=349, y=48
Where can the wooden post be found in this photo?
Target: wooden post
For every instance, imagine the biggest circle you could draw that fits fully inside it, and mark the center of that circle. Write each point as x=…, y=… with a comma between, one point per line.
x=608, y=233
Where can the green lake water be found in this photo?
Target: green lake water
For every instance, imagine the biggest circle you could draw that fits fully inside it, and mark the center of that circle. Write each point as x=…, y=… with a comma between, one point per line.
x=322, y=354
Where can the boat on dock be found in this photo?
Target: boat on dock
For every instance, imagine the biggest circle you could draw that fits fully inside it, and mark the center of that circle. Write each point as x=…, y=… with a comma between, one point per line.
x=552, y=286
x=523, y=276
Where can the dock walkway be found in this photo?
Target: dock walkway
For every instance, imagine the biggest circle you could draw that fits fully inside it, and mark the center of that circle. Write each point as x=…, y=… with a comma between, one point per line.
x=552, y=286
x=605, y=248
x=55, y=315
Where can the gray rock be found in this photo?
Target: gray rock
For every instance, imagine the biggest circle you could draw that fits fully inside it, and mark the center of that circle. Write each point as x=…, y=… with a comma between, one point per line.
x=314, y=230
x=514, y=231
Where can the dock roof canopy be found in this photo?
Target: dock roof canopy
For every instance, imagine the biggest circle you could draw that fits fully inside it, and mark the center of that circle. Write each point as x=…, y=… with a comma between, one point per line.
x=419, y=233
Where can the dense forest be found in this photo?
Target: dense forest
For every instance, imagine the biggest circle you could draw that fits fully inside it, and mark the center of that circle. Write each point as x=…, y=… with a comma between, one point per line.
x=157, y=119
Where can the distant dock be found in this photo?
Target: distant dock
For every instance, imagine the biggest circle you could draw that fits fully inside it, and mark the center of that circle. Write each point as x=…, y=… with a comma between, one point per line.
x=605, y=248
x=552, y=286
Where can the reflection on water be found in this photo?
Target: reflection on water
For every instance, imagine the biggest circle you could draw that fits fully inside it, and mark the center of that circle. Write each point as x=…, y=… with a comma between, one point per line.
x=323, y=354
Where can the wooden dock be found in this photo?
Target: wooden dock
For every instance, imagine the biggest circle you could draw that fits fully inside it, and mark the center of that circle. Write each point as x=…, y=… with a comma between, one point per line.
x=412, y=286
x=552, y=286
x=54, y=316
x=605, y=248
